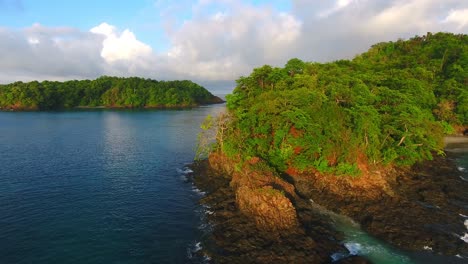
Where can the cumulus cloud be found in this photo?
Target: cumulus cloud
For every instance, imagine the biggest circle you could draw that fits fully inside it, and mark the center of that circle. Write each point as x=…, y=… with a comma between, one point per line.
x=459, y=17
x=62, y=53
x=355, y=25
x=339, y=5
x=39, y=52
x=227, y=44
x=120, y=46
x=217, y=41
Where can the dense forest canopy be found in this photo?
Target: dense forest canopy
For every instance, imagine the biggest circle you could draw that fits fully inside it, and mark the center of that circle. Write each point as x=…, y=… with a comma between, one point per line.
x=105, y=91
x=389, y=105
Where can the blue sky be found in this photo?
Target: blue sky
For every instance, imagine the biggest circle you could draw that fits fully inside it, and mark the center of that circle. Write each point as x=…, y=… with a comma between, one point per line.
x=212, y=42
x=85, y=14
x=141, y=16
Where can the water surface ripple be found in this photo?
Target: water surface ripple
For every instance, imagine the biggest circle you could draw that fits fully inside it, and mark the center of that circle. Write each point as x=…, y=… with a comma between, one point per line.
x=97, y=186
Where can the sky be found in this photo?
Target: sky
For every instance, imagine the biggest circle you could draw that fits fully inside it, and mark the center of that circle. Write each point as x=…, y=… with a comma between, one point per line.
x=211, y=42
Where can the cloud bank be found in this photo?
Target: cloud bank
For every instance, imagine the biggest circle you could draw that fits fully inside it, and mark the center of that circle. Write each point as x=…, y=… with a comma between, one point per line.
x=222, y=40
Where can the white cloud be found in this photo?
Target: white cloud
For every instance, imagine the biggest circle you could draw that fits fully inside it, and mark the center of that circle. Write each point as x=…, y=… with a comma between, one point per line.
x=217, y=41
x=339, y=5
x=459, y=17
x=40, y=52
x=361, y=23
x=120, y=46
x=33, y=41
x=225, y=45
x=404, y=14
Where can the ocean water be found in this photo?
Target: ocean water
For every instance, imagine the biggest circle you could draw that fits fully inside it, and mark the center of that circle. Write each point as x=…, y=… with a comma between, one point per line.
x=98, y=186
x=109, y=187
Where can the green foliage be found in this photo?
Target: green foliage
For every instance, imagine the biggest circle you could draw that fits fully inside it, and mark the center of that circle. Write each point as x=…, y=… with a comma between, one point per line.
x=105, y=91
x=390, y=105
x=448, y=129
x=205, y=140
x=347, y=169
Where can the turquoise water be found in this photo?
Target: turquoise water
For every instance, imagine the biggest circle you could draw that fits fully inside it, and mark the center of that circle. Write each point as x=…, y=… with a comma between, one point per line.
x=98, y=186
x=361, y=243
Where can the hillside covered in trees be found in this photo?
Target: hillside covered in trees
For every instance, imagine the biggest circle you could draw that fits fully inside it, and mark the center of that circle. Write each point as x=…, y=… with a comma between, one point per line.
x=389, y=105
x=105, y=91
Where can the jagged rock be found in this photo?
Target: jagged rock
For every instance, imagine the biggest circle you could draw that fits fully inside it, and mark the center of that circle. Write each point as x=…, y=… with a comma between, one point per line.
x=269, y=208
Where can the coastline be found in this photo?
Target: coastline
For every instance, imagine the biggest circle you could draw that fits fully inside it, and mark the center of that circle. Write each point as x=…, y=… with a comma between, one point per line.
x=457, y=139
x=237, y=239
x=419, y=212
x=456, y=144
x=216, y=100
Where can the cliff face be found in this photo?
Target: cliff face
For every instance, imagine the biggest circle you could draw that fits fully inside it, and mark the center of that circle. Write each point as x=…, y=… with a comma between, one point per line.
x=412, y=208
x=260, y=193
x=256, y=217
x=269, y=198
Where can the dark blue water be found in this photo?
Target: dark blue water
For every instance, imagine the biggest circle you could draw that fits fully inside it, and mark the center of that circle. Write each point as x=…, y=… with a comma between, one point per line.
x=98, y=186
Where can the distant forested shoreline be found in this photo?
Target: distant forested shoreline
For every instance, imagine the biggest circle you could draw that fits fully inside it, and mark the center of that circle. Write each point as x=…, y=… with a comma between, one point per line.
x=104, y=92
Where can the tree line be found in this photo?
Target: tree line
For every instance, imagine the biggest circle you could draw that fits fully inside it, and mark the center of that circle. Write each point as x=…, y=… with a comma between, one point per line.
x=389, y=105
x=105, y=91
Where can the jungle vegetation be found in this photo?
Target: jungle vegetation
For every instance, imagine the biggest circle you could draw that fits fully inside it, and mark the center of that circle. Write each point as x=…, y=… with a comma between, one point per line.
x=389, y=105
x=105, y=91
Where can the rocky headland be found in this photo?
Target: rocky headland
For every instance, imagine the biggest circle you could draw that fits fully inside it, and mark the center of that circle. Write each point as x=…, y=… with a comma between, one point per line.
x=260, y=216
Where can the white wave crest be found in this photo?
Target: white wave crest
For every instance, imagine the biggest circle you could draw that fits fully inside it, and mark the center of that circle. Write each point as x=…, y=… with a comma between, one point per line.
x=428, y=248
x=193, y=248
x=184, y=170
x=197, y=247
x=353, y=248
x=464, y=237
x=198, y=191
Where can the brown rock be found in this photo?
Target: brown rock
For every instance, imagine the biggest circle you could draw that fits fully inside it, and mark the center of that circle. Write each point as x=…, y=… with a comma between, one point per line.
x=269, y=207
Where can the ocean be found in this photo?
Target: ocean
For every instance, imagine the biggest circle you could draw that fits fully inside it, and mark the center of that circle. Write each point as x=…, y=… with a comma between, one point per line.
x=100, y=186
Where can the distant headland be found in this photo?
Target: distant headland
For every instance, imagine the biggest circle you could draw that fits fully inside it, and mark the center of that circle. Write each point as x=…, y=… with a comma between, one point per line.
x=104, y=92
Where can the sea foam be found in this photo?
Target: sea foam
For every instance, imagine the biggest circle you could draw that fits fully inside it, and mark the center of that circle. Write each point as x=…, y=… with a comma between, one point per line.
x=184, y=170
x=353, y=248
x=465, y=235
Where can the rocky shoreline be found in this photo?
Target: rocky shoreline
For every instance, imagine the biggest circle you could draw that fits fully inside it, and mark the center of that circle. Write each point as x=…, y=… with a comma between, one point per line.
x=424, y=212
x=237, y=239
x=418, y=210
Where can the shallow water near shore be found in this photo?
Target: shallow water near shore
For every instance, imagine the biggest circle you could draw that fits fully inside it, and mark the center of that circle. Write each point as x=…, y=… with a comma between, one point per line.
x=98, y=186
x=360, y=243
x=459, y=146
